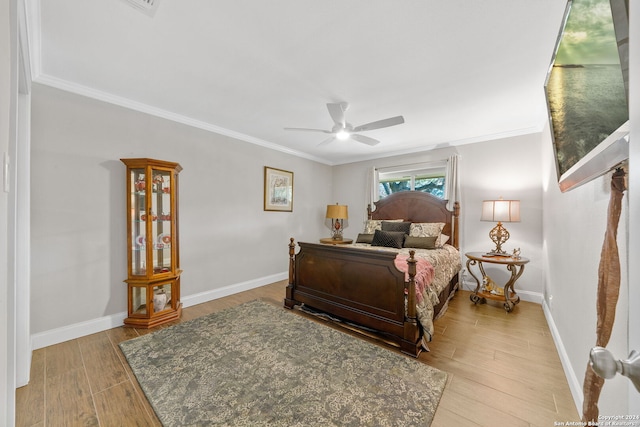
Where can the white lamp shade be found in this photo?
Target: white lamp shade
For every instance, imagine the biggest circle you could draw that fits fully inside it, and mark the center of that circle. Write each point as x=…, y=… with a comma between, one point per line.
x=501, y=211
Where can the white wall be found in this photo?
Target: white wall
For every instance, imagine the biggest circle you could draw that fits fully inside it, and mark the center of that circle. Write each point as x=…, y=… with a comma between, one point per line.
x=6, y=347
x=508, y=168
x=574, y=228
x=78, y=209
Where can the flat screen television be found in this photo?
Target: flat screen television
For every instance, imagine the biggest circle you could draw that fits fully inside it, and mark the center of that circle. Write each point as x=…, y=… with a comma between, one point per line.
x=587, y=89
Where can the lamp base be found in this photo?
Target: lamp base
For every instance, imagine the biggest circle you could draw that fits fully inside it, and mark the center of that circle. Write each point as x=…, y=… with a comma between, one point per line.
x=494, y=253
x=337, y=230
x=499, y=235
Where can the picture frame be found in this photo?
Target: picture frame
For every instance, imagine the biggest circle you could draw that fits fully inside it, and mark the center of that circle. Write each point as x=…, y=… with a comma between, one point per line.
x=278, y=190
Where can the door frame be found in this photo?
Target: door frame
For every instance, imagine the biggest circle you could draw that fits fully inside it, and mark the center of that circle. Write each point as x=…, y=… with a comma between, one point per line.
x=634, y=200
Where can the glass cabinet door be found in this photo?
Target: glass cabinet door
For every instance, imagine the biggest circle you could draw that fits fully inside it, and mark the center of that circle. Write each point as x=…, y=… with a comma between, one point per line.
x=139, y=305
x=138, y=221
x=161, y=212
x=143, y=297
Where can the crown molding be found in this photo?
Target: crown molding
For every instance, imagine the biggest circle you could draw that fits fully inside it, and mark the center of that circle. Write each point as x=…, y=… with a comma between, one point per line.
x=434, y=146
x=168, y=115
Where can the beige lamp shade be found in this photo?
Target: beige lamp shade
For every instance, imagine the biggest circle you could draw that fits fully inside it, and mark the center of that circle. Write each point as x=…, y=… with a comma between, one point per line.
x=337, y=212
x=501, y=210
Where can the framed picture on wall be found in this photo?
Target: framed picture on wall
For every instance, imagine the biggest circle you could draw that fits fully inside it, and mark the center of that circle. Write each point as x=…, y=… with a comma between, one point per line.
x=278, y=190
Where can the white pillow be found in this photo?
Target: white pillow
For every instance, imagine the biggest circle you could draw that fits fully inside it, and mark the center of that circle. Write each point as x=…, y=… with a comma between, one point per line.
x=440, y=241
x=426, y=229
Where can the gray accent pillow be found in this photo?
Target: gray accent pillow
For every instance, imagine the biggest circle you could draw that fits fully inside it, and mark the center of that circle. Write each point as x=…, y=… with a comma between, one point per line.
x=389, y=239
x=405, y=227
x=364, y=238
x=420, y=242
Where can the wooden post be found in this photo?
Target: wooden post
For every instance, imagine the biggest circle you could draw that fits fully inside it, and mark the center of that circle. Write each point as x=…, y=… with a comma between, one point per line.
x=289, y=301
x=292, y=259
x=410, y=344
x=456, y=213
x=411, y=292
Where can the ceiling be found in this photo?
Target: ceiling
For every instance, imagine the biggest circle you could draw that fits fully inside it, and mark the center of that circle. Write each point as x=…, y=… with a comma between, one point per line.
x=459, y=71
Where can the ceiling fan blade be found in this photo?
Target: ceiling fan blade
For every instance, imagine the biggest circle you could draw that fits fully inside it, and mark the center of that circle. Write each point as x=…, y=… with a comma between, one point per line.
x=336, y=110
x=392, y=121
x=327, y=141
x=309, y=130
x=365, y=139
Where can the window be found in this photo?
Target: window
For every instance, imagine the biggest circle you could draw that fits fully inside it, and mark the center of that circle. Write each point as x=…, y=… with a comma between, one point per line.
x=428, y=178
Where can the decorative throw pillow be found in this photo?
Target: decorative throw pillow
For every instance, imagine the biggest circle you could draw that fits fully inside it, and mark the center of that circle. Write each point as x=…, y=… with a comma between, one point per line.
x=442, y=240
x=389, y=239
x=372, y=225
x=396, y=226
x=426, y=229
x=364, y=238
x=420, y=242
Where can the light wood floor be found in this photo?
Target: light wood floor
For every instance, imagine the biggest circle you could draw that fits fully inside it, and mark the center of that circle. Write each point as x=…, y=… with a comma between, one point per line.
x=503, y=371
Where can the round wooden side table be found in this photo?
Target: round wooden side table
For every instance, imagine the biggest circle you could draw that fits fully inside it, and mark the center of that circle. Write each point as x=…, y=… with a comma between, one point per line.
x=508, y=296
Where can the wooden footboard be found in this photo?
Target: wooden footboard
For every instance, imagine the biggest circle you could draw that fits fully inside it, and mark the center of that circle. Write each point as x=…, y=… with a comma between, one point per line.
x=359, y=286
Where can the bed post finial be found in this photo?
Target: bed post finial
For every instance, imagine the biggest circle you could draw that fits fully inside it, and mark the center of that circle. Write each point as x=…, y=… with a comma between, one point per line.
x=369, y=211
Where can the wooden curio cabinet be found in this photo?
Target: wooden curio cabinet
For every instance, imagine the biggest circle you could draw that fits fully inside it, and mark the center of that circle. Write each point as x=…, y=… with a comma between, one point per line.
x=153, y=283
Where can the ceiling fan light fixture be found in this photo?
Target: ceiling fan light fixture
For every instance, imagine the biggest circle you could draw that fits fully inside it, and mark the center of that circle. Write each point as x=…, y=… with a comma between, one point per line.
x=342, y=135
x=342, y=130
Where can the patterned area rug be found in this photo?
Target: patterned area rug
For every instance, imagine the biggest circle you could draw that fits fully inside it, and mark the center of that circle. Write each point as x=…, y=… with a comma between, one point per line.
x=262, y=365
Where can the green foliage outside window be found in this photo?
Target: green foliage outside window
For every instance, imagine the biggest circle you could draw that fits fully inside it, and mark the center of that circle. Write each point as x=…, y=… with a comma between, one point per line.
x=430, y=184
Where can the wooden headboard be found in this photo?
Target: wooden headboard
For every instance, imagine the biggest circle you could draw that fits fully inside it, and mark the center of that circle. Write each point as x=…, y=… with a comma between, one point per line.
x=418, y=206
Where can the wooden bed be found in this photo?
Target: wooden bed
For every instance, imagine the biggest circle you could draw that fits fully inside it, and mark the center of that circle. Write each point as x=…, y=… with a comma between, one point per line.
x=364, y=287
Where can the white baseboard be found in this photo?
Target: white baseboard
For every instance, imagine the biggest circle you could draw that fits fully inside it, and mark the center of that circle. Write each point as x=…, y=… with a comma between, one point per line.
x=77, y=330
x=574, y=384
x=529, y=296
x=231, y=289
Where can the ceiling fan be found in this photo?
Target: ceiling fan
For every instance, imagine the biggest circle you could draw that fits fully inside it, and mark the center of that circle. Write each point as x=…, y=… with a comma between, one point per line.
x=343, y=130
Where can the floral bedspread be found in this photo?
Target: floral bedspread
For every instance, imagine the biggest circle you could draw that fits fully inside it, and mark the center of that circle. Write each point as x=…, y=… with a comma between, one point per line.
x=424, y=274
x=444, y=264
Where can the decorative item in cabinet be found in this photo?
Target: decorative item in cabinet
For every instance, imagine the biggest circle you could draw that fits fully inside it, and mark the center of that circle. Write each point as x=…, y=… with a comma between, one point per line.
x=153, y=283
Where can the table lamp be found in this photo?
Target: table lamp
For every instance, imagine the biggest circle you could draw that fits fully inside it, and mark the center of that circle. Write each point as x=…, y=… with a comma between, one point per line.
x=500, y=211
x=337, y=214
